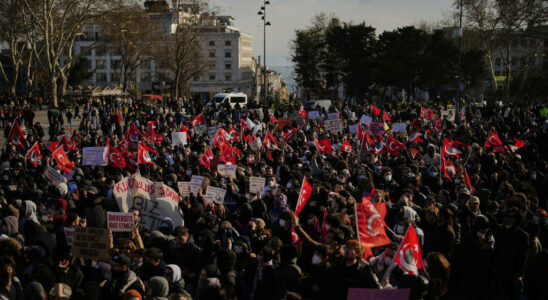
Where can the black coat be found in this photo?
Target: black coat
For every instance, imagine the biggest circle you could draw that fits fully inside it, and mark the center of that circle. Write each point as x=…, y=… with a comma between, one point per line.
x=355, y=276
x=511, y=246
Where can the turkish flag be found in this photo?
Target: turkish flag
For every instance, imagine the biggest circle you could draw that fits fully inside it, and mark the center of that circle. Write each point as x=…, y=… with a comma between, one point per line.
x=16, y=136
x=346, y=147
x=385, y=117
x=361, y=132
x=304, y=195
x=323, y=146
x=451, y=148
x=115, y=158
x=414, y=152
x=370, y=220
x=233, y=134
x=324, y=225
x=197, y=121
x=34, y=154
x=62, y=160
x=393, y=146
x=303, y=112
x=408, y=256
x=220, y=140
x=272, y=118
x=468, y=182
x=228, y=154
x=437, y=123
x=426, y=113
x=493, y=141
x=207, y=158
x=269, y=140
x=517, y=145
x=415, y=137
x=375, y=110
x=143, y=154
x=447, y=168
x=151, y=134
x=133, y=134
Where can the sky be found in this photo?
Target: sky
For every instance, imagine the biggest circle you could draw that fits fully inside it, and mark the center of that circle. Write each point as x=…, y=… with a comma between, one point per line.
x=287, y=16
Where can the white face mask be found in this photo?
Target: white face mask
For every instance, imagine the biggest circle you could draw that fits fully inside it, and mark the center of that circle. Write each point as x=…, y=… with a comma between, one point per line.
x=271, y=183
x=480, y=235
x=282, y=222
x=388, y=177
x=169, y=182
x=327, y=227
x=508, y=226
x=288, y=185
x=188, y=173
x=316, y=260
x=457, y=180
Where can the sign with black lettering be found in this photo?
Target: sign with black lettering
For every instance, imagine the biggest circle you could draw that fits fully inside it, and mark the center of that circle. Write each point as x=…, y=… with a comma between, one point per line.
x=120, y=222
x=90, y=242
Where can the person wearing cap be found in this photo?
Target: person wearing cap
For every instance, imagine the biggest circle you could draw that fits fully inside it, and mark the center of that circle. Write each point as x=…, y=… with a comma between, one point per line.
x=122, y=279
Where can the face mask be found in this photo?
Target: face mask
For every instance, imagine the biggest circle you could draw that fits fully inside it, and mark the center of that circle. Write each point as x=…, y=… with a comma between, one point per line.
x=536, y=219
x=78, y=177
x=457, y=180
x=288, y=185
x=316, y=260
x=378, y=168
x=508, y=226
x=433, y=174
x=388, y=177
x=480, y=235
x=188, y=173
x=169, y=183
x=327, y=227
x=282, y=222
x=5, y=177
x=238, y=249
x=271, y=183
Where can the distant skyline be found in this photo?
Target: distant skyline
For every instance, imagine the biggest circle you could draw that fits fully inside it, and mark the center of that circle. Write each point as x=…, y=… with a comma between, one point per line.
x=287, y=16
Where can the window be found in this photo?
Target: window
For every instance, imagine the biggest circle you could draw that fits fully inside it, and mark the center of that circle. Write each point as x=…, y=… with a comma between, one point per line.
x=100, y=64
x=497, y=61
x=212, y=66
x=101, y=77
x=228, y=66
x=211, y=43
x=212, y=53
x=228, y=43
x=211, y=76
x=115, y=64
x=196, y=78
x=100, y=51
x=228, y=54
x=522, y=61
x=114, y=77
x=228, y=77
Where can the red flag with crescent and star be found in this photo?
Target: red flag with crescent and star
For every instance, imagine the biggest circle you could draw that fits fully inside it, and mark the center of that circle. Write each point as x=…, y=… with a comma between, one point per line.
x=16, y=136
x=426, y=113
x=393, y=146
x=375, y=110
x=143, y=155
x=493, y=141
x=370, y=222
x=197, y=121
x=346, y=147
x=34, y=154
x=409, y=256
x=304, y=195
x=115, y=158
x=62, y=160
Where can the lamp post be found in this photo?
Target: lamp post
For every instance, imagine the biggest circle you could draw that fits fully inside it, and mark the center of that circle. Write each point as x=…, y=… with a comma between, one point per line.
x=262, y=12
x=457, y=106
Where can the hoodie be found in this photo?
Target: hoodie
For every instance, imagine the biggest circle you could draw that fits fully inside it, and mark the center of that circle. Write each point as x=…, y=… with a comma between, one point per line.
x=30, y=213
x=177, y=285
x=159, y=288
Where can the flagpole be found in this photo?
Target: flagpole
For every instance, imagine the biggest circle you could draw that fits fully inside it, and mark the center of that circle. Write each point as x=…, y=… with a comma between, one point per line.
x=300, y=192
x=357, y=227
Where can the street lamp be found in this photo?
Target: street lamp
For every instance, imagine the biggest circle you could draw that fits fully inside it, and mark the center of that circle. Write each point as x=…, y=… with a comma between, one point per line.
x=262, y=12
x=457, y=107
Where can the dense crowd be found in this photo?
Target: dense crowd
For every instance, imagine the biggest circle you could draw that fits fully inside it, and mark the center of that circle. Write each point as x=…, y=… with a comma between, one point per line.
x=482, y=226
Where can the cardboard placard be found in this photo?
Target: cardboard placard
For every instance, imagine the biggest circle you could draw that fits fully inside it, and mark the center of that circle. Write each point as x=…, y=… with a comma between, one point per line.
x=120, y=222
x=184, y=188
x=366, y=119
x=53, y=176
x=332, y=116
x=256, y=144
x=376, y=128
x=400, y=127
x=69, y=235
x=94, y=156
x=155, y=200
x=196, y=183
x=375, y=294
x=227, y=170
x=334, y=125
x=200, y=129
x=178, y=139
x=212, y=131
x=215, y=195
x=256, y=184
x=353, y=129
x=91, y=242
x=313, y=114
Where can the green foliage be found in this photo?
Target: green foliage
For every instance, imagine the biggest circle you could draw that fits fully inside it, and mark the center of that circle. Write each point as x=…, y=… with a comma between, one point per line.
x=79, y=72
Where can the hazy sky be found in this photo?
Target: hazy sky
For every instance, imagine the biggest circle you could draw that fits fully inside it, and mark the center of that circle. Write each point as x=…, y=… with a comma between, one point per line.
x=288, y=15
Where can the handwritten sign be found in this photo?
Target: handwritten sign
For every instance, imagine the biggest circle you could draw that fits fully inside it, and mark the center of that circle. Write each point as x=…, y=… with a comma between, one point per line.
x=196, y=183
x=227, y=170
x=332, y=116
x=376, y=128
x=400, y=127
x=200, y=129
x=353, y=129
x=334, y=125
x=53, y=176
x=215, y=195
x=94, y=156
x=184, y=188
x=366, y=119
x=374, y=294
x=178, y=138
x=313, y=114
x=120, y=222
x=69, y=235
x=155, y=200
x=90, y=242
x=256, y=184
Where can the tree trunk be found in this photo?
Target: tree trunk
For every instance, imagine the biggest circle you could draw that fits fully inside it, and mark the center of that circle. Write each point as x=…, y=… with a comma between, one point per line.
x=64, y=83
x=53, y=91
x=177, y=82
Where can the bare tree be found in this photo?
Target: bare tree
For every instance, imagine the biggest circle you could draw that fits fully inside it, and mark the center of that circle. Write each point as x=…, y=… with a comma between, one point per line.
x=59, y=23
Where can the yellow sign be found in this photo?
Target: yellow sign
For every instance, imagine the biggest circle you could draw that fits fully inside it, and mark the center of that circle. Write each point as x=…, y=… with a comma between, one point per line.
x=500, y=78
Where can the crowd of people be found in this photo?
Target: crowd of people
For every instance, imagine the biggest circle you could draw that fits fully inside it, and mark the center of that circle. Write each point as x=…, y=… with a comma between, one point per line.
x=482, y=227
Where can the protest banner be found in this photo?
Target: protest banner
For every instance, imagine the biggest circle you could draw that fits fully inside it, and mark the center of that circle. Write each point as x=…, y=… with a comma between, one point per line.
x=334, y=125
x=256, y=184
x=69, y=235
x=200, y=129
x=227, y=170
x=94, y=156
x=376, y=128
x=154, y=200
x=178, y=138
x=196, y=183
x=91, y=242
x=215, y=195
x=332, y=116
x=353, y=129
x=184, y=188
x=53, y=176
x=120, y=222
x=366, y=119
x=312, y=115
x=375, y=294
x=400, y=127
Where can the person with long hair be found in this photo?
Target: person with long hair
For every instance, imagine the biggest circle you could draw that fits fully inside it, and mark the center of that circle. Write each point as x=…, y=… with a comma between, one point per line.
x=439, y=270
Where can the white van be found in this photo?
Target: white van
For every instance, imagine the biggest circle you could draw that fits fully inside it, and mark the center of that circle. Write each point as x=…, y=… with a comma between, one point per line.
x=312, y=104
x=231, y=98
